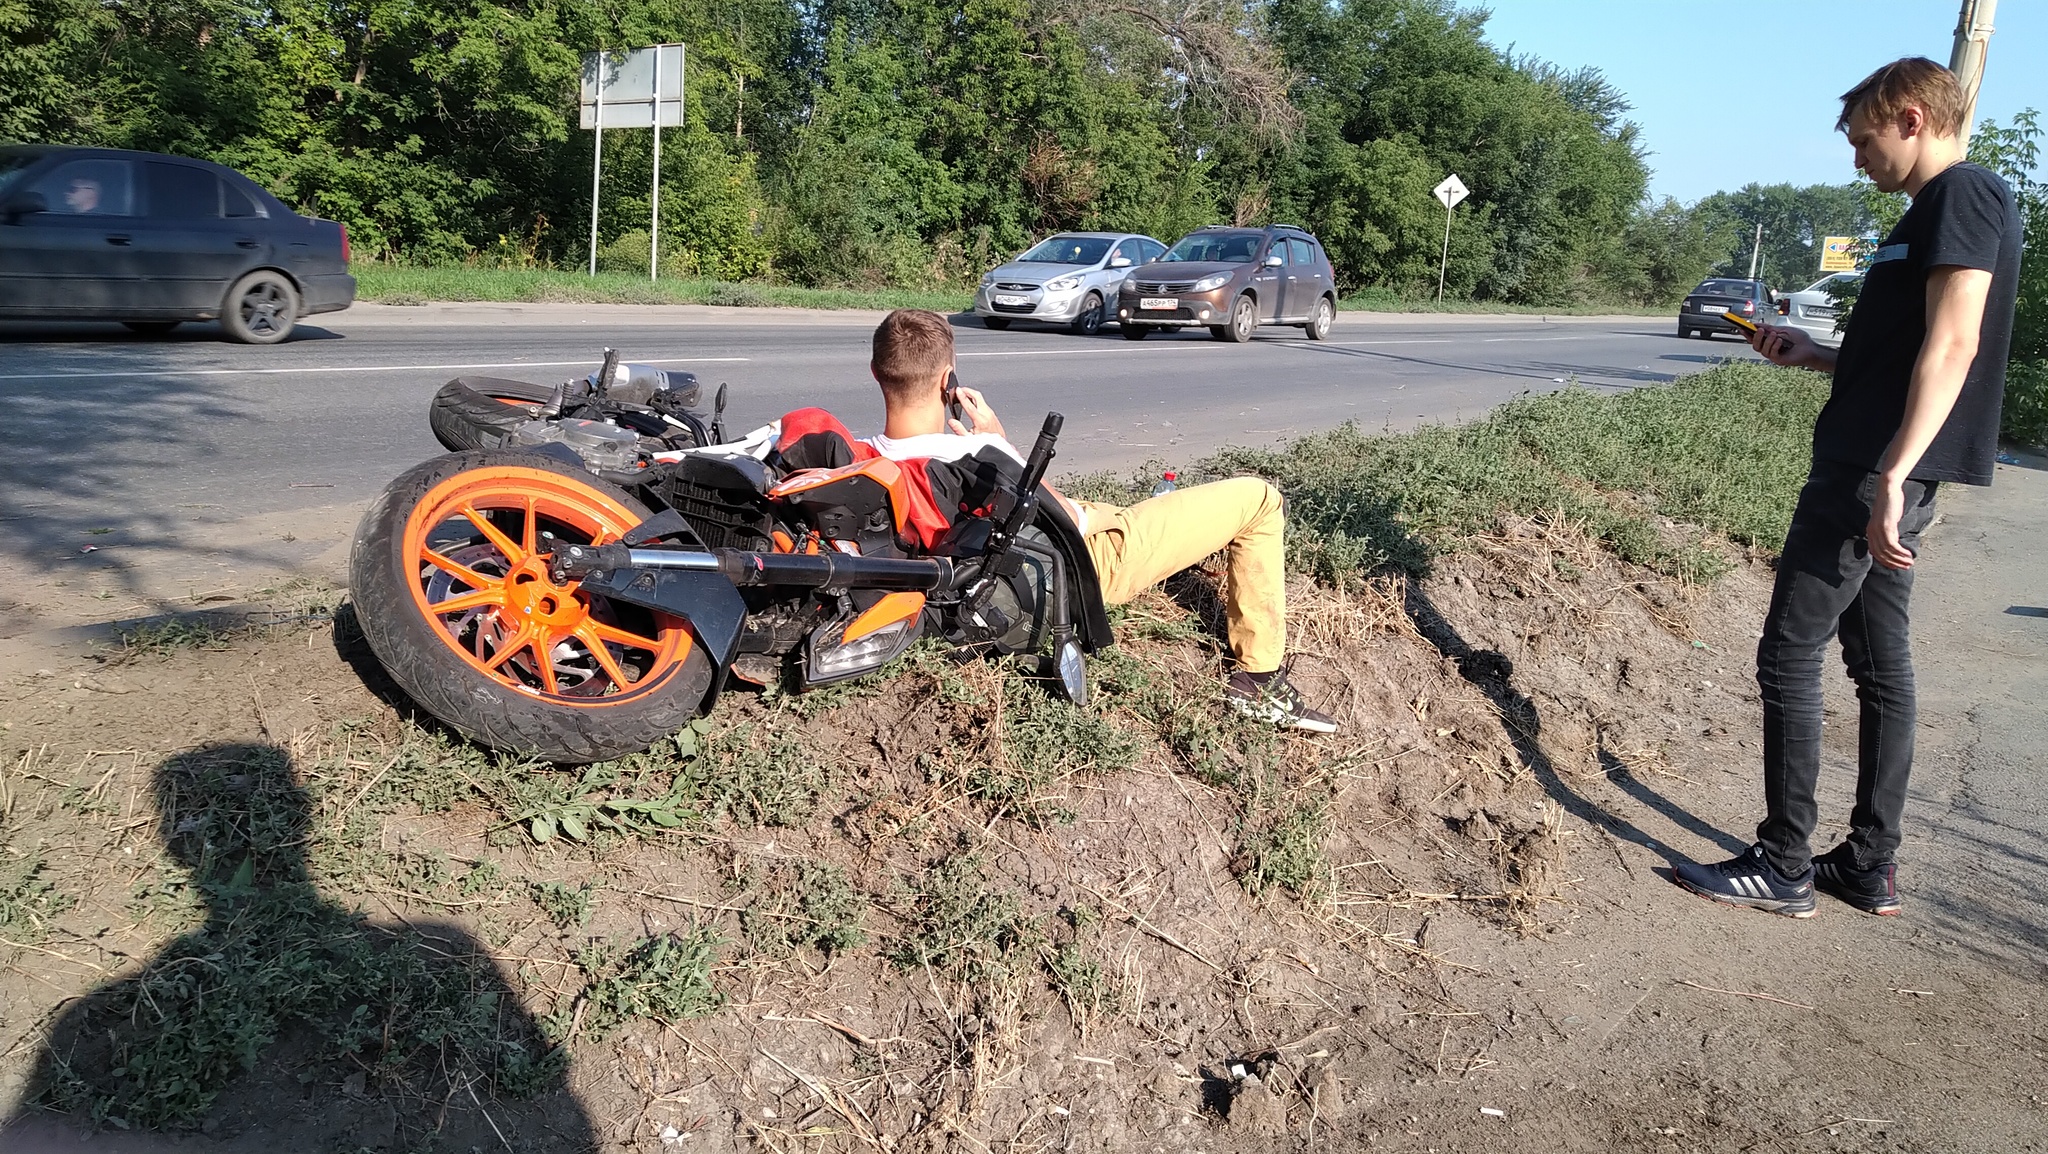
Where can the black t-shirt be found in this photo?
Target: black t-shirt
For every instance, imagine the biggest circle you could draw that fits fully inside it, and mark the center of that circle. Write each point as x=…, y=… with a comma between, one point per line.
x=1965, y=216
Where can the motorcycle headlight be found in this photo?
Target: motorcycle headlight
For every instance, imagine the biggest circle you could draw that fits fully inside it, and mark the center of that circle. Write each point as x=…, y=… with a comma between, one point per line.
x=832, y=662
x=1064, y=284
x=1212, y=282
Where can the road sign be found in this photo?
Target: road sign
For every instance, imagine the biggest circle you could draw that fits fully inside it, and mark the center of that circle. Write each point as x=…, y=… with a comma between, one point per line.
x=1451, y=191
x=620, y=87
x=637, y=88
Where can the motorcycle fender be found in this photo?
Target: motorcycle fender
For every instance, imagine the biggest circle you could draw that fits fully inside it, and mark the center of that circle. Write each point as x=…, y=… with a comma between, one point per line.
x=709, y=602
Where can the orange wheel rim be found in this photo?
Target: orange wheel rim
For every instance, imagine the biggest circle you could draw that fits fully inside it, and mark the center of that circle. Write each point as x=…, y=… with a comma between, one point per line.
x=477, y=547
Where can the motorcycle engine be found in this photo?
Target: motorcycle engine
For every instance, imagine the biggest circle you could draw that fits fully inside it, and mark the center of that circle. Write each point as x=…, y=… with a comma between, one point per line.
x=602, y=445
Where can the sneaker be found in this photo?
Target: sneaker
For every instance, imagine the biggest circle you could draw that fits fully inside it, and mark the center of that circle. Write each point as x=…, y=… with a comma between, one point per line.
x=1749, y=880
x=1270, y=698
x=1874, y=890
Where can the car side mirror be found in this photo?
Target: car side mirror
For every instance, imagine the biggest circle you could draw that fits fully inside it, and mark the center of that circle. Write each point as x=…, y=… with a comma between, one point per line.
x=1274, y=262
x=21, y=204
x=1119, y=262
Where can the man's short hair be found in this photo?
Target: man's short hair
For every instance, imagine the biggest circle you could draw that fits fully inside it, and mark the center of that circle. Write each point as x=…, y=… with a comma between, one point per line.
x=1884, y=94
x=912, y=347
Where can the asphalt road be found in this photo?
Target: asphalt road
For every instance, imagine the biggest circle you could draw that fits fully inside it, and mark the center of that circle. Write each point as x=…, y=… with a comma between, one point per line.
x=187, y=460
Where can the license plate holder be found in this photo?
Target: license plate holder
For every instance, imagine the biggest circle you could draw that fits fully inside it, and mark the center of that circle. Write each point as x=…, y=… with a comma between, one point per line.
x=1159, y=304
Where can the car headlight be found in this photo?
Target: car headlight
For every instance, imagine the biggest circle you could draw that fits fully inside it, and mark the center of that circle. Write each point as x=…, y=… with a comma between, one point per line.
x=1212, y=282
x=1064, y=284
x=988, y=278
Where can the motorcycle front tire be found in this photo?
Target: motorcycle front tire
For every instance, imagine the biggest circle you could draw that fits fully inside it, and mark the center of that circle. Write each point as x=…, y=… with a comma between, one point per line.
x=424, y=655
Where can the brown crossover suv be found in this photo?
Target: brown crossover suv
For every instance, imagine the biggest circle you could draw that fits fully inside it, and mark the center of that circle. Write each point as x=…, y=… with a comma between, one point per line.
x=1232, y=280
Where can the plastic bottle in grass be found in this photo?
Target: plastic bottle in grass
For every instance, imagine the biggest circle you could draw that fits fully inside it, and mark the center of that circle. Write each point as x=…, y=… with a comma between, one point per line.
x=1165, y=484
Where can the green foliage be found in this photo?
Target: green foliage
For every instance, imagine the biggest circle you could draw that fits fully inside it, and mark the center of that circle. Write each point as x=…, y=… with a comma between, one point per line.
x=664, y=978
x=905, y=143
x=569, y=907
x=1794, y=222
x=28, y=901
x=961, y=928
x=2014, y=152
x=1046, y=740
x=1725, y=450
x=1283, y=848
x=804, y=903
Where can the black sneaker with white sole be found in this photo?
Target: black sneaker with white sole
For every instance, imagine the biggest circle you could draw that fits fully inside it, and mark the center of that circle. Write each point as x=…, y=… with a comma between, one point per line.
x=1872, y=889
x=1749, y=880
x=1270, y=698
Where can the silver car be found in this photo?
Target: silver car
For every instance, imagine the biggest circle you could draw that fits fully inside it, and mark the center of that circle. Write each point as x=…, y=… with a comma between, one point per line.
x=1814, y=307
x=1068, y=279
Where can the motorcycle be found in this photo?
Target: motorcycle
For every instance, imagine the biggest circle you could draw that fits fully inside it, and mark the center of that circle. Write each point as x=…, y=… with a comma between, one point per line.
x=591, y=566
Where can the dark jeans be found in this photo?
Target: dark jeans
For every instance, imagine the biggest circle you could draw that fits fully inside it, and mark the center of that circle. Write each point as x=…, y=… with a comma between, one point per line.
x=1828, y=583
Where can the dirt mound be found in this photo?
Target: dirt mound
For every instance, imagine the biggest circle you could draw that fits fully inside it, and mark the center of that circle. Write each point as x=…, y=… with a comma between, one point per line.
x=935, y=911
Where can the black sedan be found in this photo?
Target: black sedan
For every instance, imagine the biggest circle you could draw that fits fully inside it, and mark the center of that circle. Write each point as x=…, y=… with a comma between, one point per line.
x=152, y=241
x=1701, y=311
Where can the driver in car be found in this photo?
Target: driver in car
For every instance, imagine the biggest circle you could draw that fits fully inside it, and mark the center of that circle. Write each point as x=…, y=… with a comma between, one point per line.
x=1133, y=548
x=83, y=195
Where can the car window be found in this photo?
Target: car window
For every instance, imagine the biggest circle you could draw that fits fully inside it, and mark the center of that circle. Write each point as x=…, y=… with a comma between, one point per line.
x=238, y=203
x=1131, y=251
x=13, y=164
x=1153, y=250
x=1068, y=250
x=95, y=187
x=1300, y=252
x=1228, y=247
x=1726, y=288
x=181, y=192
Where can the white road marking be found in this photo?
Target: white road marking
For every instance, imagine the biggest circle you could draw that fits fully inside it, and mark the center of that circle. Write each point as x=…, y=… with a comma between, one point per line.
x=357, y=369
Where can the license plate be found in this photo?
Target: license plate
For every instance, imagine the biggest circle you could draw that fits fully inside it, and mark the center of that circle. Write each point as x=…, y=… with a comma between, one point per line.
x=1003, y=299
x=1152, y=303
x=1822, y=312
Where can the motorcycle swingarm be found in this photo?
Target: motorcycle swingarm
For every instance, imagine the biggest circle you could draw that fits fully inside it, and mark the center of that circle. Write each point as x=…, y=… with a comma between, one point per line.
x=707, y=600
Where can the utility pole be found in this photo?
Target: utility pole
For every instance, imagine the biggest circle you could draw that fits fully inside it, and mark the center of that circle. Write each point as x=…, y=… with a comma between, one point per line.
x=1756, y=250
x=1966, y=60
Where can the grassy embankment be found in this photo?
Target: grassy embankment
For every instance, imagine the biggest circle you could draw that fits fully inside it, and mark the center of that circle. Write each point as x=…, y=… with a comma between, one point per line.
x=395, y=284
x=292, y=846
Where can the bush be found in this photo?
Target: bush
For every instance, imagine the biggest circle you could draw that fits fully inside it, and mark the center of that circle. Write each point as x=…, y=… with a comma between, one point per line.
x=2026, y=403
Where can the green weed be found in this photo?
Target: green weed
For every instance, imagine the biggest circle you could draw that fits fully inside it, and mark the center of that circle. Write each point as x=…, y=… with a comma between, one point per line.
x=1725, y=449
x=962, y=928
x=1079, y=981
x=568, y=907
x=804, y=903
x=1045, y=740
x=164, y=637
x=28, y=901
x=666, y=978
x=771, y=779
x=1284, y=848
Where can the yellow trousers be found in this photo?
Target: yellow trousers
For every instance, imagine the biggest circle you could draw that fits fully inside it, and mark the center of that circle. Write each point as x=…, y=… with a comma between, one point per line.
x=1137, y=547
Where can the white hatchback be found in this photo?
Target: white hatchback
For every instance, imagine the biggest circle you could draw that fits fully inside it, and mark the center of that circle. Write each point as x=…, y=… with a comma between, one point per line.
x=1814, y=309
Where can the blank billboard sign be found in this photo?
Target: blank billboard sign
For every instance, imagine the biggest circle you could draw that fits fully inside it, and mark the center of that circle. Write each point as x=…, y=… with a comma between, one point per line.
x=623, y=85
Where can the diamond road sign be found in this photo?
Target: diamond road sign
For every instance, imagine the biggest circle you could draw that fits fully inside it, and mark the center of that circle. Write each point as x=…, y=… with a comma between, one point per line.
x=1451, y=191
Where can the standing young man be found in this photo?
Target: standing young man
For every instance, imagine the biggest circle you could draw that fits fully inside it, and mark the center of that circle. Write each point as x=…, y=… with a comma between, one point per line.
x=1132, y=548
x=1918, y=384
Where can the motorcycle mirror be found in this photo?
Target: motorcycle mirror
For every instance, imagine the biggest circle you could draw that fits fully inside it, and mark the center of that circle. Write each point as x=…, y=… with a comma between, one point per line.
x=718, y=413
x=1073, y=671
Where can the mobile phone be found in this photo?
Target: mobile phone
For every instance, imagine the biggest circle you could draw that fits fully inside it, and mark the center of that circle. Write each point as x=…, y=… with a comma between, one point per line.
x=1741, y=322
x=951, y=394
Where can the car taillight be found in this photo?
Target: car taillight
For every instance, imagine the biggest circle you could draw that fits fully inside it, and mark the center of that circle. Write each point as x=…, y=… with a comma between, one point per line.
x=347, y=254
x=1749, y=306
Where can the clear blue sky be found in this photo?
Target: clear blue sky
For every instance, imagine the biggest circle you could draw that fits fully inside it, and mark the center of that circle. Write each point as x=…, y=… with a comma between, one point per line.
x=1695, y=72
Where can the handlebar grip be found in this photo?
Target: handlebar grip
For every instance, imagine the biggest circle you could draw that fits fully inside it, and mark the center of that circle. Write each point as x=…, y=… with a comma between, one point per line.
x=1042, y=452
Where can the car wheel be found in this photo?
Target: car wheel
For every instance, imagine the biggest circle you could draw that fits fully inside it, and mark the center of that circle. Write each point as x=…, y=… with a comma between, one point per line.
x=150, y=328
x=1135, y=332
x=1089, y=321
x=1244, y=317
x=260, y=309
x=1318, y=326
x=996, y=323
x=1683, y=332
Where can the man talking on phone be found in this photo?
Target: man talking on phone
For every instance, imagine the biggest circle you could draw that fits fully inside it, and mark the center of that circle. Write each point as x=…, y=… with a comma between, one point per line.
x=1918, y=383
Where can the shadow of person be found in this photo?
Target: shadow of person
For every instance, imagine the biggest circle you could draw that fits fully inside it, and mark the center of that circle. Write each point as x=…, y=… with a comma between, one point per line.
x=1492, y=673
x=286, y=1021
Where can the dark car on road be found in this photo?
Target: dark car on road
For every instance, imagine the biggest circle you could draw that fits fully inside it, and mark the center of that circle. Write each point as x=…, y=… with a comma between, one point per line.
x=1701, y=310
x=153, y=241
x=1233, y=280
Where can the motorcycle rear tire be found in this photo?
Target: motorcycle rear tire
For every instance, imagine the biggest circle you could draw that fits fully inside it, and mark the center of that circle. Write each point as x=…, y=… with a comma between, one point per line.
x=427, y=660
x=477, y=412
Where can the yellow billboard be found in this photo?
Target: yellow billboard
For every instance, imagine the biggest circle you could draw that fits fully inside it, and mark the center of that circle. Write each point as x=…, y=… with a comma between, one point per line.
x=1843, y=253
